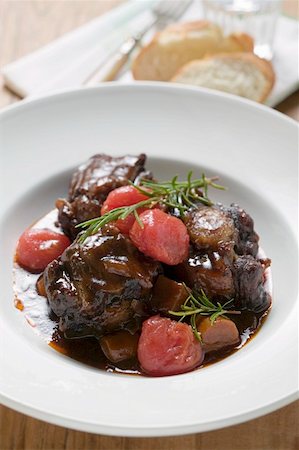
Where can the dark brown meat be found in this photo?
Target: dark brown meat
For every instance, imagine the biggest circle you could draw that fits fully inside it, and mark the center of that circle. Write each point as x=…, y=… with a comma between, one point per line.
x=249, y=283
x=246, y=240
x=91, y=184
x=100, y=286
x=210, y=271
x=144, y=175
x=222, y=256
x=224, y=277
x=209, y=227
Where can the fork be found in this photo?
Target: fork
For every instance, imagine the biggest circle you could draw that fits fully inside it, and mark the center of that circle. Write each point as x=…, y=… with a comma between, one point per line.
x=164, y=12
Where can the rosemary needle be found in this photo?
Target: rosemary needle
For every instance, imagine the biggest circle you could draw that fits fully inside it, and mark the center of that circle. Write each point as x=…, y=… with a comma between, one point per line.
x=198, y=304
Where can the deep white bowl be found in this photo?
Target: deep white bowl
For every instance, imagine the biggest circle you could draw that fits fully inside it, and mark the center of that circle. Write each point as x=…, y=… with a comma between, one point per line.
x=253, y=148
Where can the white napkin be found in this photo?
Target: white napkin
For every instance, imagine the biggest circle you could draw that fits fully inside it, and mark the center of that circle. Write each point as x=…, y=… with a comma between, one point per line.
x=285, y=61
x=67, y=61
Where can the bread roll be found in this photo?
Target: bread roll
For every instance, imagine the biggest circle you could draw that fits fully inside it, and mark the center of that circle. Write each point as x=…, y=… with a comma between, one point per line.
x=178, y=44
x=243, y=74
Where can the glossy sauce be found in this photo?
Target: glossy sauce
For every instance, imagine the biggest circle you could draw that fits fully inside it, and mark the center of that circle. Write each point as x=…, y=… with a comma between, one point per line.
x=87, y=350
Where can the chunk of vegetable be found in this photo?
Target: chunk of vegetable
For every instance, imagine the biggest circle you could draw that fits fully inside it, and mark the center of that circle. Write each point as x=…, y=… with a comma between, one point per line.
x=167, y=347
x=123, y=196
x=163, y=237
x=38, y=247
x=168, y=295
x=40, y=286
x=220, y=334
x=119, y=346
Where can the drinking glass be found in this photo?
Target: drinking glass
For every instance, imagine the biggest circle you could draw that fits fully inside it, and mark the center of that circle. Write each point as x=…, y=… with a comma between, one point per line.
x=255, y=17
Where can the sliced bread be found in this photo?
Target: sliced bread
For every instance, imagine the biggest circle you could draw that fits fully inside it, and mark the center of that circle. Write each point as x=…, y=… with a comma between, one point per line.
x=178, y=44
x=243, y=74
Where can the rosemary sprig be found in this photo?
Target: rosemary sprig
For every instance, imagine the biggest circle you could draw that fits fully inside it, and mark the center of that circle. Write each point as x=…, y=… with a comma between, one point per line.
x=92, y=226
x=179, y=195
x=199, y=304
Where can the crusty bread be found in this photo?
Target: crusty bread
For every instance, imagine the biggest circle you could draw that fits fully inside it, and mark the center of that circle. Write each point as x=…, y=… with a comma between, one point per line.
x=243, y=74
x=178, y=44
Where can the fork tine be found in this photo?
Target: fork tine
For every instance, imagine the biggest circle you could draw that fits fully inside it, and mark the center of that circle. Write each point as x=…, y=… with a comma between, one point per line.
x=171, y=9
x=181, y=6
x=161, y=7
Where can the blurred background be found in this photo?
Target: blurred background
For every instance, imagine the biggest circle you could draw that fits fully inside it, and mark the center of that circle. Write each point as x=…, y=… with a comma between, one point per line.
x=29, y=25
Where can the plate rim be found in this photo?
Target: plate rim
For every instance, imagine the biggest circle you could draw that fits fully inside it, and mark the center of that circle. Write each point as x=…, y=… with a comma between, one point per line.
x=35, y=99
x=110, y=430
x=140, y=431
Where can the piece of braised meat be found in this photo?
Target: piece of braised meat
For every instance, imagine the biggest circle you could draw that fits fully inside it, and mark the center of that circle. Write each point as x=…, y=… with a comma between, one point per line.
x=100, y=286
x=210, y=271
x=249, y=283
x=246, y=240
x=91, y=184
x=210, y=261
x=222, y=259
x=209, y=227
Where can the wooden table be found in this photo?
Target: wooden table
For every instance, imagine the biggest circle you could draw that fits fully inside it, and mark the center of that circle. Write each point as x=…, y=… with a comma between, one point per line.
x=25, y=26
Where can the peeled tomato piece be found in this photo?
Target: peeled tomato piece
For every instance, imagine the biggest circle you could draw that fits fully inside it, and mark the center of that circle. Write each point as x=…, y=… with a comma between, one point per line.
x=163, y=237
x=37, y=247
x=168, y=347
x=123, y=196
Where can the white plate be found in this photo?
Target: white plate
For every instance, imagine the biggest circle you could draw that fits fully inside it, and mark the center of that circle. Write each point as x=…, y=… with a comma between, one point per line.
x=253, y=148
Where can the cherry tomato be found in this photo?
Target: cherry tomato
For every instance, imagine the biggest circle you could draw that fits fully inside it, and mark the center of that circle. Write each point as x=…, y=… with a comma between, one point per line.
x=163, y=237
x=38, y=247
x=124, y=196
x=167, y=347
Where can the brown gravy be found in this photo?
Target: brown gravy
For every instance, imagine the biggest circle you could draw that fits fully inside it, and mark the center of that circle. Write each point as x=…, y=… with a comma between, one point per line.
x=87, y=350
